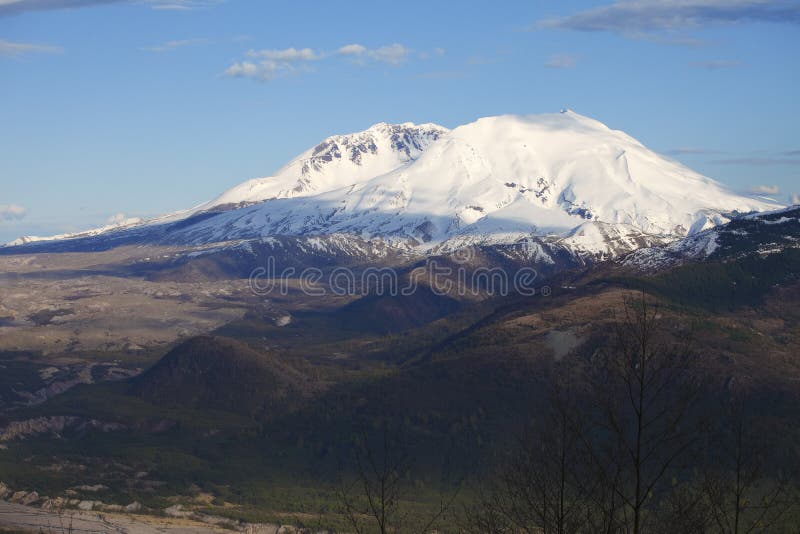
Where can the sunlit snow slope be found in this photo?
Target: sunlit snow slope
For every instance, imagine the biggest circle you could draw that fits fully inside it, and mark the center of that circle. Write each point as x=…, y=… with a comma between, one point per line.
x=497, y=180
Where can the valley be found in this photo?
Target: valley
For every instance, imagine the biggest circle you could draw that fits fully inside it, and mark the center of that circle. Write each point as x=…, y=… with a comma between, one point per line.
x=233, y=366
x=261, y=415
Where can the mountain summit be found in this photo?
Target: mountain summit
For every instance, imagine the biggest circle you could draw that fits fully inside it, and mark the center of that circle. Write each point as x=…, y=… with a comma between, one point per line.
x=561, y=177
x=339, y=161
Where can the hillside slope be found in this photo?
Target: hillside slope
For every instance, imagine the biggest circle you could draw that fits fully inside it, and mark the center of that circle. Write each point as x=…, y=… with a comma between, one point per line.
x=221, y=373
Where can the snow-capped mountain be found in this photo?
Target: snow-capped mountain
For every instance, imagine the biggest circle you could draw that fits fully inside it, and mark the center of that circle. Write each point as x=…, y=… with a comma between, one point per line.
x=560, y=178
x=759, y=233
x=338, y=162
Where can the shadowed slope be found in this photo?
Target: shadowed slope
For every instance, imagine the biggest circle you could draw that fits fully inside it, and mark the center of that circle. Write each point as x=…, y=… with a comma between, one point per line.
x=220, y=373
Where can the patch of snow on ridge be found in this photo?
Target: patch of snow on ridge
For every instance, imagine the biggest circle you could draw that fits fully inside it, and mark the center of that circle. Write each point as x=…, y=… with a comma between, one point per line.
x=125, y=223
x=338, y=161
x=782, y=220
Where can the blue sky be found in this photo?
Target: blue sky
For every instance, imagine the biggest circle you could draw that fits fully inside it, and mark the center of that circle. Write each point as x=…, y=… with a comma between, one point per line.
x=135, y=108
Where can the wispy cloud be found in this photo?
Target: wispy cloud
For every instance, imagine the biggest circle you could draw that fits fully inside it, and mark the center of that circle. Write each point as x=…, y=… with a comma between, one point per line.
x=117, y=218
x=352, y=50
x=759, y=161
x=16, y=7
x=10, y=212
x=436, y=52
x=393, y=54
x=265, y=65
x=715, y=64
x=755, y=157
x=11, y=49
x=287, y=54
x=181, y=4
x=794, y=198
x=765, y=189
x=690, y=151
x=247, y=69
x=269, y=64
x=661, y=19
x=121, y=219
x=172, y=45
x=562, y=61
x=669, y=38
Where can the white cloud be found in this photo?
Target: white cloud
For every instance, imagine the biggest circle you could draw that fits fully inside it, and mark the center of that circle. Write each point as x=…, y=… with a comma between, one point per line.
x=248, y=69
x=172, y=45
x=759, y=161
x=766, y=189
x=268, y=64
x=10, y=212
x=117, y=218
x=644, y=18
x=11, y=49
x=179, y=4
x=352, y=50
x=795, y=199
x=691, y=151
x=16, y=7
x=265, y=65
x=287, y=54
x=562, y=61
x=393, y=54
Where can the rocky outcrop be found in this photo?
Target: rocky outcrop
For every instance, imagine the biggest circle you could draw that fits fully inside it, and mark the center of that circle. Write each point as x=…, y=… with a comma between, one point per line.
x=91, y=489
x=133, y=508
x=178, y=511
x=89, y=505
x=25, y=498
x=34, y=427
x=54, y=425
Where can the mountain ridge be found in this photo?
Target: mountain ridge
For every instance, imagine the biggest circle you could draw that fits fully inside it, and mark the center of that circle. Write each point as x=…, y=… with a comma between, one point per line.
x=560, y=177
